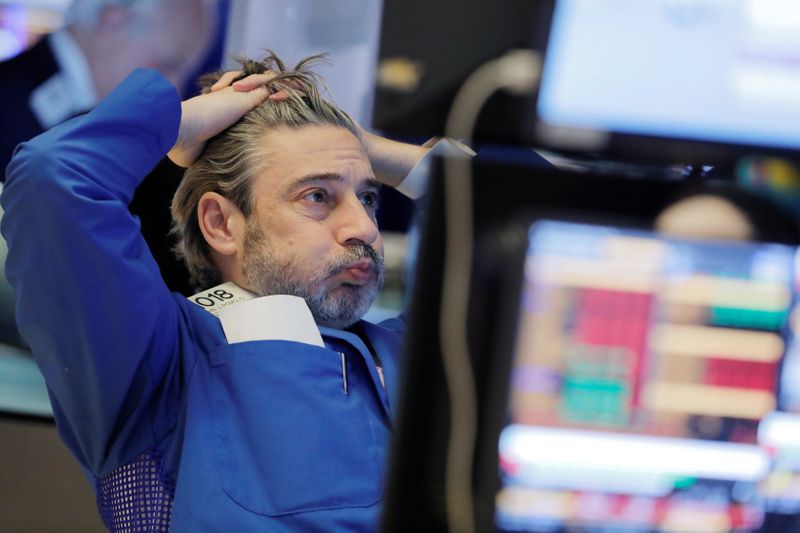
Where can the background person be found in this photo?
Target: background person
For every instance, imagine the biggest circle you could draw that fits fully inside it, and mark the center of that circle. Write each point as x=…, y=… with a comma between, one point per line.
x=67, y=72
x=727, y=211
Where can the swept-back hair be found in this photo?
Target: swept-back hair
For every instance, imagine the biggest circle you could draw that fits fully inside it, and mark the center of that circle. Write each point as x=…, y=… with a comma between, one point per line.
x=232, y=159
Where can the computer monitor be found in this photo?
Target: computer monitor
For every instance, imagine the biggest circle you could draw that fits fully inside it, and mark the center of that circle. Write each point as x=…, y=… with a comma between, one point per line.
x=654, y=385
x=677, y=80
x=503, y=191
x=611, y=361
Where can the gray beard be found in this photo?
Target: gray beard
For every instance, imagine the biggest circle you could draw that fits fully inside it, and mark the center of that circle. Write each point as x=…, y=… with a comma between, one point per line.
x=268, y=274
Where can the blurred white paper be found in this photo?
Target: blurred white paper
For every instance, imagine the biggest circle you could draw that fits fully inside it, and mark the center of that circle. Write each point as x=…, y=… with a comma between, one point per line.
x=277, y=317
x=348, y=30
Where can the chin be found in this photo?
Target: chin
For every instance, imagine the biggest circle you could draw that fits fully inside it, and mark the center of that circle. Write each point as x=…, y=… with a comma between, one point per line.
x=343, y=306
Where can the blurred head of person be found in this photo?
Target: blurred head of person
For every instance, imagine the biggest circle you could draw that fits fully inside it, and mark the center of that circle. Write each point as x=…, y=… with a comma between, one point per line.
x=117, y=36
x=725, y=211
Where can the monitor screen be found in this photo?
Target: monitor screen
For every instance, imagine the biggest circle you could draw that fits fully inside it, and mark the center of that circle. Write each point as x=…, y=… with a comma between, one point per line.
x=654, y=385
x=721, y=71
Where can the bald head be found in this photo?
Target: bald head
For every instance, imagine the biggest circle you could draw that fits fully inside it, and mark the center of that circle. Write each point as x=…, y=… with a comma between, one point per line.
x=705, y=217
x=116, y=37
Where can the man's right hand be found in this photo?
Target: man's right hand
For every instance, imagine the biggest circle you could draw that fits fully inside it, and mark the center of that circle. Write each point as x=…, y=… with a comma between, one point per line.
x=208, y=114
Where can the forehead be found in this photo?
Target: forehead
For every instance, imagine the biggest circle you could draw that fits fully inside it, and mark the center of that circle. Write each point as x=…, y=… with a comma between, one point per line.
x=294, y=153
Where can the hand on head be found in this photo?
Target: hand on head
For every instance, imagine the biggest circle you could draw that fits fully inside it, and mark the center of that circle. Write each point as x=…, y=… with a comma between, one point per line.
x=206, y=115
x=249, y=83
x=229, y=98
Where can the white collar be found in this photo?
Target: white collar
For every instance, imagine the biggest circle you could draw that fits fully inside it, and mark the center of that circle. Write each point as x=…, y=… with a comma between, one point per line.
x=70, y=90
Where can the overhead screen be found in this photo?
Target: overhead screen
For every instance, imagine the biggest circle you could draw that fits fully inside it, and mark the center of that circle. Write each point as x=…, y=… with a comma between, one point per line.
x=722, y=71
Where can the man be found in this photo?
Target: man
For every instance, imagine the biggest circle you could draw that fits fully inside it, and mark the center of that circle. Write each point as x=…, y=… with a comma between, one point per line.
x=178, y=425
x=68, y=72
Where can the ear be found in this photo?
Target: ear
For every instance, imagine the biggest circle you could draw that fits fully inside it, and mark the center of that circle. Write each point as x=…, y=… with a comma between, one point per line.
x=222, y=223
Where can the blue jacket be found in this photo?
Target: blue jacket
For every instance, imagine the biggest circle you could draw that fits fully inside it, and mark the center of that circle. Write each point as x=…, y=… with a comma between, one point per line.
x=173, y=424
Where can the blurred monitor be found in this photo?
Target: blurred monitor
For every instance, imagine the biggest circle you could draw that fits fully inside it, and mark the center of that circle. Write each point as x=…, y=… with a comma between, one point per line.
x=654, y=385
x=429, y=47
x=503, y=193
x=679, y=80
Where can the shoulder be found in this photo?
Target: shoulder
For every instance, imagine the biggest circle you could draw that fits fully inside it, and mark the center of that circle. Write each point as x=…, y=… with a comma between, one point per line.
x=397, y=324
x=388, y=332
x=202, y=327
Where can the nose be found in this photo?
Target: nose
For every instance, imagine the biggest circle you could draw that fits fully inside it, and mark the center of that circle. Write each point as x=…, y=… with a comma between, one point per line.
x=354, y=224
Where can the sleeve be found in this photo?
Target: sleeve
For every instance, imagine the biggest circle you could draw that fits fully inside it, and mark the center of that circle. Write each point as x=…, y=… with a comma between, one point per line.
x=90, y=301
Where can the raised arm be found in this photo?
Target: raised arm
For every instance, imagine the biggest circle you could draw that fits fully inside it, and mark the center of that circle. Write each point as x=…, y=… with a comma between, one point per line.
x=90, y=300
x=391, y=160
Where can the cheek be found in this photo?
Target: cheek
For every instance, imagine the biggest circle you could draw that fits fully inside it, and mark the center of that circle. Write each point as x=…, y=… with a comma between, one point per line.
x=298, y=235
x=308, y=241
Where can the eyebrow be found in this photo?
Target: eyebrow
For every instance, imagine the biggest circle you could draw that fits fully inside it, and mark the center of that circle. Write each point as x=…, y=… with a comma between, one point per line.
x=371, y=183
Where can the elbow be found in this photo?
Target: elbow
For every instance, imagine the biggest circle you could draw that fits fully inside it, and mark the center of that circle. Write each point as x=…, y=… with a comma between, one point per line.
x=30, y=161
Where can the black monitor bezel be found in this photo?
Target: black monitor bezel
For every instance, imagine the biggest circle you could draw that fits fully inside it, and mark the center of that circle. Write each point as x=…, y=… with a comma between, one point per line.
x=414, y=498
x=506, y=198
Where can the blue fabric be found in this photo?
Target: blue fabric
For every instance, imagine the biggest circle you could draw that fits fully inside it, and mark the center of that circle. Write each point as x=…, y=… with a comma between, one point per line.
x=136, y=497
x=256, y=436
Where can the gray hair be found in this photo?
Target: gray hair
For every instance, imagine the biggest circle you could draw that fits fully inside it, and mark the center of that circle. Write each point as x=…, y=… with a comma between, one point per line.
x=234, y=157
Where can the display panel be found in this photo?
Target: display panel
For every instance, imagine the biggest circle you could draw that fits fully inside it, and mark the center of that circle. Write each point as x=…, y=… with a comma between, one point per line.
x=653, y=385
x=722, y=71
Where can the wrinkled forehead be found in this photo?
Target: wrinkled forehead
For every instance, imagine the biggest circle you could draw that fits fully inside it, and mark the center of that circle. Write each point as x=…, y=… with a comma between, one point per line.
x=290, y=154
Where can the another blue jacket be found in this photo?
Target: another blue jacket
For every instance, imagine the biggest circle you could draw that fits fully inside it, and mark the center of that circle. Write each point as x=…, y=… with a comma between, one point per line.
x=173, y=424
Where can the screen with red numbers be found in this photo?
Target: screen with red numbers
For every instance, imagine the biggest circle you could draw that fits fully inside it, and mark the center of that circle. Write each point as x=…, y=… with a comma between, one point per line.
x=653, y=385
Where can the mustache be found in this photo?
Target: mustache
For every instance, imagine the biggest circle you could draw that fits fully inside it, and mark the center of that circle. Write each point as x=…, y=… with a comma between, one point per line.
x=355, y=253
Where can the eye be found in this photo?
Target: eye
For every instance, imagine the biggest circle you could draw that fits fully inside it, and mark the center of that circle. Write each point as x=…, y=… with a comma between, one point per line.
x=317, y=196
x=370, y=200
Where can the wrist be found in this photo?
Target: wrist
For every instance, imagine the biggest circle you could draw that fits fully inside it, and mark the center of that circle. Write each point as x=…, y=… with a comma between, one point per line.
x=187, y=147
x=391, y=160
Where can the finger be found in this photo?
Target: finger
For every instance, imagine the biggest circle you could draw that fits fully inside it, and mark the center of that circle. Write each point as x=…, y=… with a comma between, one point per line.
x=253, y=80
x=261, y=94
x=280, y=96
x=225, y=80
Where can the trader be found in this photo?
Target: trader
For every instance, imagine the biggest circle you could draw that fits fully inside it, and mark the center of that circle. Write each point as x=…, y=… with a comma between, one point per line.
x=186, y=420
